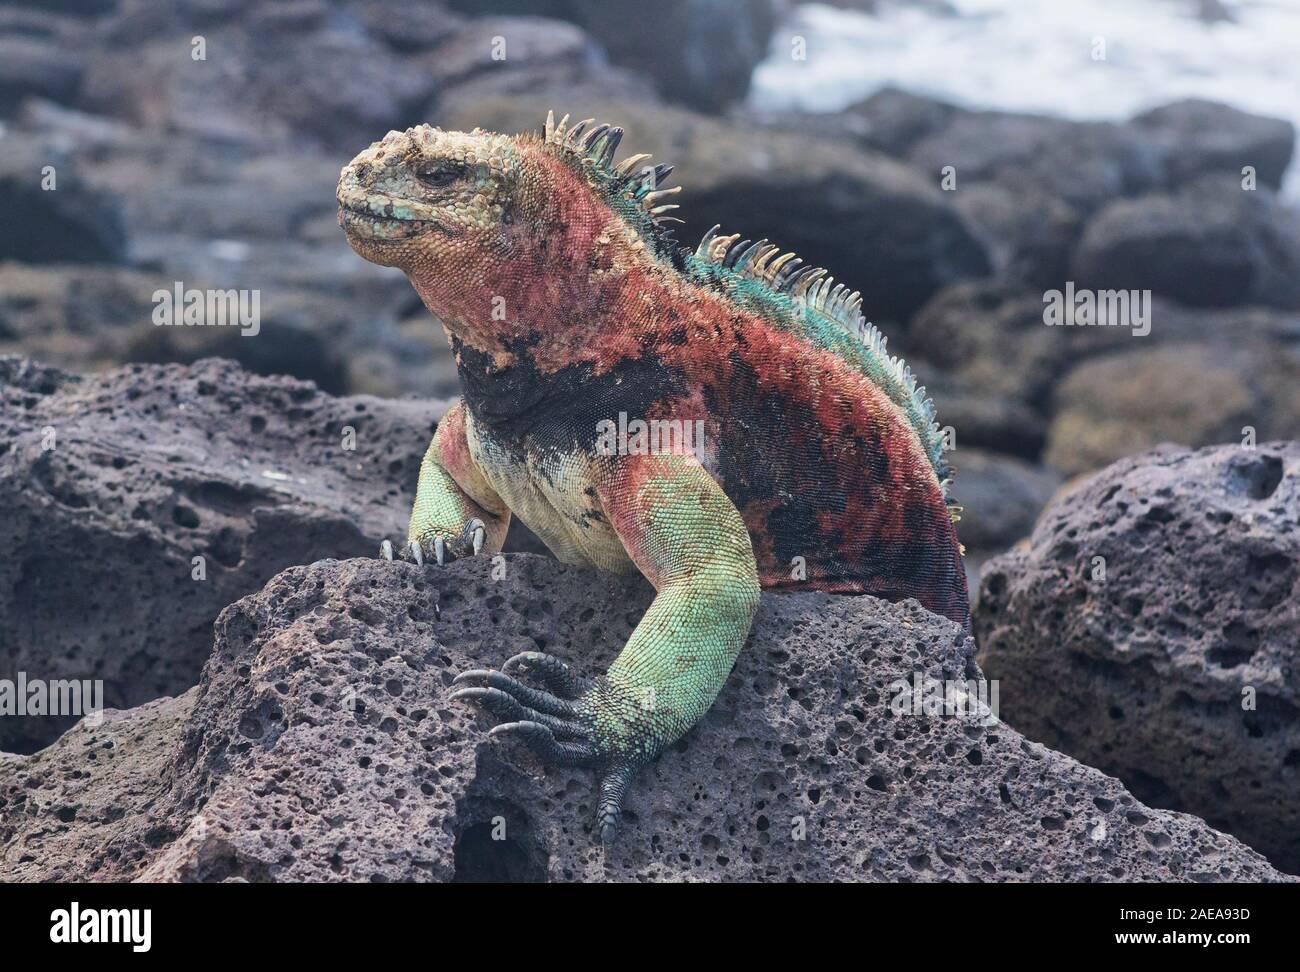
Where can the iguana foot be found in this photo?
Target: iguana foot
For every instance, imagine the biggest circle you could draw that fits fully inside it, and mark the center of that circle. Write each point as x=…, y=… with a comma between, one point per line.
x=441, y=548
x=559, y=725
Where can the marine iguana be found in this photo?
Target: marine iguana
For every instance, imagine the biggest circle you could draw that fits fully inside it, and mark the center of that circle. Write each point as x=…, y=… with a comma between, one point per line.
x=721, y=419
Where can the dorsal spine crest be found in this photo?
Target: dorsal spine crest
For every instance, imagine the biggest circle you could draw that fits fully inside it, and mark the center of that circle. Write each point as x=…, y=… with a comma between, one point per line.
x=632, y=188
x=813, y=293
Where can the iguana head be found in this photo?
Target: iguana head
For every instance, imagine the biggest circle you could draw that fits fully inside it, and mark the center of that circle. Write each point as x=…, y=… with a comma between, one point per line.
x=476, y=216
x=425, y=199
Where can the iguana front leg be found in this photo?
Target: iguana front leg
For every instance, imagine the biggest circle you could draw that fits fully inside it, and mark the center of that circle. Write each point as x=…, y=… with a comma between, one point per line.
x=688, y=539
x=456, y=513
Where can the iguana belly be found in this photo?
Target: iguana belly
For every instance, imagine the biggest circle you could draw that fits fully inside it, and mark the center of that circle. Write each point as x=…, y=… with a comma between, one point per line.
x=552, y=494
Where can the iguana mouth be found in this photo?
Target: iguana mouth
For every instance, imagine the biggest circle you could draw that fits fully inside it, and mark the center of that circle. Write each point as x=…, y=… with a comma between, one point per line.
x=383, y=218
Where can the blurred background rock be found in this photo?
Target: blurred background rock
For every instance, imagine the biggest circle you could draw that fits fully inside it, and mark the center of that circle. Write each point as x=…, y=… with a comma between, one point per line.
x=220, y=172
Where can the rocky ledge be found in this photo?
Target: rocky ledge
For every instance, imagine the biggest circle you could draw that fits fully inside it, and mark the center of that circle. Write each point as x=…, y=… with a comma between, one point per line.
x=320, y=745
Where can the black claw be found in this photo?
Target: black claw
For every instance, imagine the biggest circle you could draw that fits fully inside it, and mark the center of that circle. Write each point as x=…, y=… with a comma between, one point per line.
x=503, y=705
x=537, y=699
x=557, y=676
x=495, y=701
x=544, y=743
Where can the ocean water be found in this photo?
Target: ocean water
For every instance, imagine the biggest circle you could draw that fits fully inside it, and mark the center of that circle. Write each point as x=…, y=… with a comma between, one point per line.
x=1039, y=56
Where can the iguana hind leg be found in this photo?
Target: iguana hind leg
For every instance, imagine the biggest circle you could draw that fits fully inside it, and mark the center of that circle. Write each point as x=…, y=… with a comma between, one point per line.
x=688, y=539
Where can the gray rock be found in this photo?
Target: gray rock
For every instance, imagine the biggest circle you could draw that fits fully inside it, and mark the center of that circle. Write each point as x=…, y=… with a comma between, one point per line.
x=75, y=316
x=991, y=337
x=1086, y=164
x=1210, y=244
x=92, y=317
x=1029, y=234
x=697, y=52
x=219, y=201
x=1193, y=394
x=896, y=120
x=511, y=44
x=73, y=222
x=123, y=763
x=71, y=128
x=138, y=19
x=285, y=76
x=73, y=8
x=496, y=57
x=999, y=374
x=998, y=182
x=979, y=416
x=1178, y=671
x=406, y=25
x=36, y=66
x=113, y=483
x=1201, y=137
x=1001, y=497
x=320, y=746
x=78, y=8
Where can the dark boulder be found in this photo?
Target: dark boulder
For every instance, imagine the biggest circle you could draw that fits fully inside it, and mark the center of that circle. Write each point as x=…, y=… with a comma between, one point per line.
x=1193, y=394
x=1000, y=497
x=1175, y=666
x=523, y=56
x=40, y=56
x=74, y=221
x=697, y=52
x=1086, y=164
x=895, y=120
x=1201, y=137
x=1210, y=244
x=285, y=74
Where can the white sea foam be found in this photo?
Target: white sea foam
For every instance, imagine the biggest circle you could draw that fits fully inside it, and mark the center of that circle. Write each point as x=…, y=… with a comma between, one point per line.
x=1037, y=56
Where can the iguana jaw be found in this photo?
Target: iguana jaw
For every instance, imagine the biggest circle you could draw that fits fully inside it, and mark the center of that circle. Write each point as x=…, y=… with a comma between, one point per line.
x=377, y=217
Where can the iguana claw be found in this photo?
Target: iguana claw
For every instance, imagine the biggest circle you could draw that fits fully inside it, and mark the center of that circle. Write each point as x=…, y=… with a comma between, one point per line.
x=505, y=705
x=556, y=724
x=543, y=742
x=443, y=549
x=559, y=678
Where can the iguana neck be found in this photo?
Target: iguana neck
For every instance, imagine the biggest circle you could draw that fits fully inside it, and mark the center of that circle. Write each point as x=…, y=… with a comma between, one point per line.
x=580, y=297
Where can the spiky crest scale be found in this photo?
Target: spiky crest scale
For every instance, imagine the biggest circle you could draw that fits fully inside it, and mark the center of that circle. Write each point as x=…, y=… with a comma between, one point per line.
x=817, y=301
x=825, y=312
x=631, y=187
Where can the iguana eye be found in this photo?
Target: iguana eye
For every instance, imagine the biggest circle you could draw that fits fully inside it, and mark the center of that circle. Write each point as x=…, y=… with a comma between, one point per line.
x=441, y=174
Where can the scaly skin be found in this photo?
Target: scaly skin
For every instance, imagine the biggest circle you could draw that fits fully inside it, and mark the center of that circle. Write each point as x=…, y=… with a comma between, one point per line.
x=804, y=456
